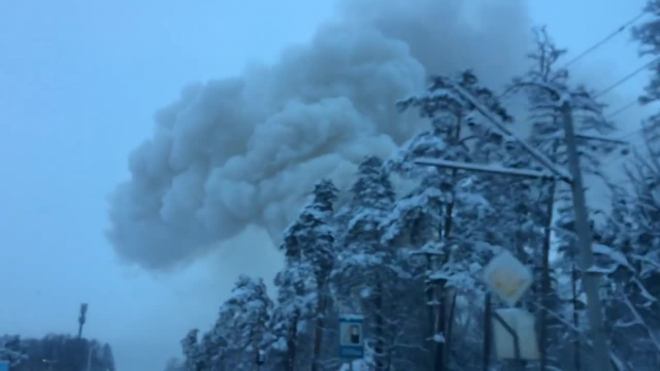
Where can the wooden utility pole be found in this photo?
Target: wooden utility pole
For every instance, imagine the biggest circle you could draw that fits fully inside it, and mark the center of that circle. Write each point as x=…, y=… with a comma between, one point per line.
x=583, y=229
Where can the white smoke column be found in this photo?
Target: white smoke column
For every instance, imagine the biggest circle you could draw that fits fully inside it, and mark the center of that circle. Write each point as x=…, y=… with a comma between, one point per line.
x=248, y=150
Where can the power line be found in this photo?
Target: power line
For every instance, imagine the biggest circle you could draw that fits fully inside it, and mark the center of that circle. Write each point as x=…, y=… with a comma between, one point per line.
x=623, y=108
x=626, y=136
x=606, y=39
x=633, y=141
x=595, y=46
x=627, y=77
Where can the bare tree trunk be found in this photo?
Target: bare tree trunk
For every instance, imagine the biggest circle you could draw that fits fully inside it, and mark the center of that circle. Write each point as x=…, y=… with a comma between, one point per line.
x=545, y=283
x=450, y=328
x=379, y=328
x=318, y=333
x=487, y=333
x=441, y=325
x=291, y=343
x=440, y=315
x=576, y=320
x=430, y=307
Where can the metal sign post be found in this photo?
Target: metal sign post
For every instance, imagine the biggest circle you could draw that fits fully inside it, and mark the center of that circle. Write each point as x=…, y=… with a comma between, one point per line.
x=351, y=337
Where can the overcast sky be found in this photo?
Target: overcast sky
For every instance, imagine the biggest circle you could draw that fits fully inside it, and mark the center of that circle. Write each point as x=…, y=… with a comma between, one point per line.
x=80, y=82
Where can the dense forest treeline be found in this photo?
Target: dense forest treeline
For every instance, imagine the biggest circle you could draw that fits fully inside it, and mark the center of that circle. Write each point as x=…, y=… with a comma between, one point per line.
x=56, y=352
x=409, y=259
x=406, y=245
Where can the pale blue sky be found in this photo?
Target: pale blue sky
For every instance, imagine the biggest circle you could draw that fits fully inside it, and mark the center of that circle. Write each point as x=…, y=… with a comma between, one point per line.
x=79, y=84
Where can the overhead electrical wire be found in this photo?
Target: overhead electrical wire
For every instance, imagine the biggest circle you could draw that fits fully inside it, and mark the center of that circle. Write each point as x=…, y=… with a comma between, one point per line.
x=624, y=137
x=597, y=45
x=627, y=77
x=605, y=40
x=623, y=108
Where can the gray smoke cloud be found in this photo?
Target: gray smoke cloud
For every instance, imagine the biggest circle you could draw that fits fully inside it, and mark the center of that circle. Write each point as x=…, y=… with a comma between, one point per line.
x=247, y=150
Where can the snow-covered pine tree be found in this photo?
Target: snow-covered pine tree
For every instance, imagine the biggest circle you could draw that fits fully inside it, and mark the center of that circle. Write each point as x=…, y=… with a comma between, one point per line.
x=646, y=34
x=314, y=235
x=459, y=134
x=107, y=358
x=546, y=135
x=630, y=241
x=251, y=307
x=205, y=355
x=12, y=350
x=237, y=338
x=296, y=305
x=544, y=84
x=416, y=224
x=366, y=275
x=644, y=212
x=454, y=124
x=303, y=283
x=192, y=352
x=628, y=255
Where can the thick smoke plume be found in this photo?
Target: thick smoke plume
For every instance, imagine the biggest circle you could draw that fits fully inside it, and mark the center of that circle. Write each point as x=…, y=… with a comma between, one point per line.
x=247, y=150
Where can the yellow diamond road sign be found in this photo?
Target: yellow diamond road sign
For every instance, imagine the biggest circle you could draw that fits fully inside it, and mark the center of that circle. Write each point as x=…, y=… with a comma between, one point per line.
x=507, y=277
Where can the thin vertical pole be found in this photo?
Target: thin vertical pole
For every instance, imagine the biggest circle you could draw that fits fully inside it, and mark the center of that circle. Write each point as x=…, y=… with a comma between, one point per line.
x=545, y=281
x=487, y=333
x=576, y=320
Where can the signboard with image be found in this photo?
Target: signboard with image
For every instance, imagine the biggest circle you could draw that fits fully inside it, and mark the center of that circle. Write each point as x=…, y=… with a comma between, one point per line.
x=351, y=337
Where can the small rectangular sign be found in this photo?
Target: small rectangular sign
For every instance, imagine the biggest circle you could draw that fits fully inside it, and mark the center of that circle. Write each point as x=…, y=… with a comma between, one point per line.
x=523, y=323
x=4, y=366
x=351, y=336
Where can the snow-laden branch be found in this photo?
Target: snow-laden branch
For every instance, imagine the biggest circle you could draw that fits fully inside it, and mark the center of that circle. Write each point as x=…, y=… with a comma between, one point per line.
x=640, y=321
x=613, y=357
x=621, y=324
x=645, y=293
x=646, y=259
x=396, y=343
x=621, y=260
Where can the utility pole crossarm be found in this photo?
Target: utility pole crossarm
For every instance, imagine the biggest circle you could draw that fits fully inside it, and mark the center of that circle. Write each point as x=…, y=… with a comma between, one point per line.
x=540, y=157
x=485, y=168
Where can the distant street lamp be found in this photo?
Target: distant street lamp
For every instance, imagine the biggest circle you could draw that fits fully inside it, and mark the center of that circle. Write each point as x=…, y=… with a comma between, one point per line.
x=81, y=319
